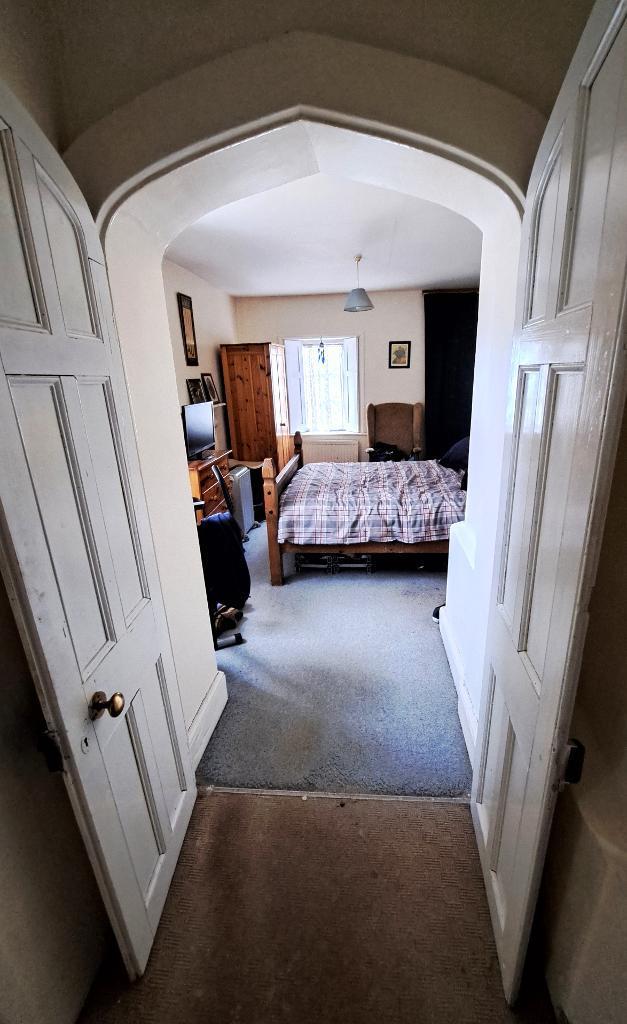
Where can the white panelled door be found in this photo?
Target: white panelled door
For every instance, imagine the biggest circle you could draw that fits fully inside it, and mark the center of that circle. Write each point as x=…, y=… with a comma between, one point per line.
x=566, y=396
x=76, y=547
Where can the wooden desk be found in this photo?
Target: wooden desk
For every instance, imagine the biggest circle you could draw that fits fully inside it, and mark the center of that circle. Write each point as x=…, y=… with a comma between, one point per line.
x=204, y=484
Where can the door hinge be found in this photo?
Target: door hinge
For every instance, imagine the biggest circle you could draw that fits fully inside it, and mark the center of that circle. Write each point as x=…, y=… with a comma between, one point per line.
x=48, y=745
x=573, y=763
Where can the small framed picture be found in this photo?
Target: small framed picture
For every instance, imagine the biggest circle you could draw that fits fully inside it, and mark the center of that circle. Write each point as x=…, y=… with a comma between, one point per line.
x=209, y=385
x=400, y=352
x=186, y=317
x=195, y=390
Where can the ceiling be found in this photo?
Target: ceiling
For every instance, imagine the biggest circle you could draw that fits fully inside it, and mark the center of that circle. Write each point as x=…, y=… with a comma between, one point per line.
x=113, y=51
x=300, y=238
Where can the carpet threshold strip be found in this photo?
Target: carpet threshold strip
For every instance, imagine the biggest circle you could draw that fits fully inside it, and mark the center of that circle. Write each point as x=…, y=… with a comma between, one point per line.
x=321, y=795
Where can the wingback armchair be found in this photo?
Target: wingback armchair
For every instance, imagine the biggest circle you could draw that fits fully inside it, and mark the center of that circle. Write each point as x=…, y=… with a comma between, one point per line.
x=397, y=423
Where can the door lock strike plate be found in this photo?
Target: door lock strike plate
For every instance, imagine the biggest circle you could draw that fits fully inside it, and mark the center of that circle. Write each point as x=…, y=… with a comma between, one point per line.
x=48, y=745
x=573, y=769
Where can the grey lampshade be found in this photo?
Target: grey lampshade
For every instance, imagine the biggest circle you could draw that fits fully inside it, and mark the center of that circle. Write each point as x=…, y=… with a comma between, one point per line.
x=357, y=301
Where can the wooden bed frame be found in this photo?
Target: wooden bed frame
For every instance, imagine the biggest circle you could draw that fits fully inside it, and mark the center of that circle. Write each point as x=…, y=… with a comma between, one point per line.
x=273, y=487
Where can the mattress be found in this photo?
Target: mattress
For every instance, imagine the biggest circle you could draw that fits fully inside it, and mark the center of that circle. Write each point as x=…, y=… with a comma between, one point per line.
x=377, y=502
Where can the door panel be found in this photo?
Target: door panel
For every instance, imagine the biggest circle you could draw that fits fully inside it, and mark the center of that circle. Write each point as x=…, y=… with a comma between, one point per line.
x=126, y=753
x=69, y=261
x=506, y=808
x=526, y=447
x=599, y=110
x=567, y=383
x=162, y=728
x=491, y=768
x=52, y=462
x=545, y=214
x=103, y=437
x=565, y=389
x=77, y=552
x=17, y=294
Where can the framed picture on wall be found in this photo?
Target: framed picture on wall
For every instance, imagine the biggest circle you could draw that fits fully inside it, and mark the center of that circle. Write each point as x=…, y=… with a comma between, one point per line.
x=195, y=390
x=209, y=385
x=186, y=316
x=400, y=352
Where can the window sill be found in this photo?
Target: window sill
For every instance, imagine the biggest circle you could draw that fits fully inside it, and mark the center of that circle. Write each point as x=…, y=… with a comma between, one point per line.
x=333, y=433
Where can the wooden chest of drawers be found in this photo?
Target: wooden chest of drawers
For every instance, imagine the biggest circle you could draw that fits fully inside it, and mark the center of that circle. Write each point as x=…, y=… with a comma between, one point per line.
x=204, y=485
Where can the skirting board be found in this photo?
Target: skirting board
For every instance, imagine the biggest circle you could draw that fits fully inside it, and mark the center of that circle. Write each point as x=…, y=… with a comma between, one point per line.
x=465, y=710
x=206, y=718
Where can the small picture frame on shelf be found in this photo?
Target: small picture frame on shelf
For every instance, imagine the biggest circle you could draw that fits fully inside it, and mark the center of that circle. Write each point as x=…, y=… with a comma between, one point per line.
x=195, y=390
x=186, y=317
x=400, y=352
x=209, y=385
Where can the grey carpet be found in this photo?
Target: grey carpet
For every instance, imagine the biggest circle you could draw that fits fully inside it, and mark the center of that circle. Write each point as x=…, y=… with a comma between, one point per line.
x=321, y=911
x=342, y=686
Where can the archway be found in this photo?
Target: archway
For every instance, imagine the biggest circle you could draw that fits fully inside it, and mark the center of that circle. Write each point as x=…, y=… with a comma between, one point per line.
x=135, y=239
x=315, y=77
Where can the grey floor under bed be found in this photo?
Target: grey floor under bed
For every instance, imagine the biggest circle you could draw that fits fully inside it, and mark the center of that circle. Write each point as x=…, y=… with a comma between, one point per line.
x=342, y=686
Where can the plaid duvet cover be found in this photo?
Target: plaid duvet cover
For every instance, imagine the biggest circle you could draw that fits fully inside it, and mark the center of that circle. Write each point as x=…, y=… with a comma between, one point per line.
x=357, y=502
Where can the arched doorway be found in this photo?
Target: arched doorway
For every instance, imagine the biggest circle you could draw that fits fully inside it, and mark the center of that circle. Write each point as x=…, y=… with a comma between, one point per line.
x=135, y=239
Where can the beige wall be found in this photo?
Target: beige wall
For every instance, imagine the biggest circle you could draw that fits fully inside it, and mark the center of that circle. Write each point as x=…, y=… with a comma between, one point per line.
x=53, y=926
x=397, y=316
x=214, y=323
x=29, y=56
x=584, y=900
x=220, y=319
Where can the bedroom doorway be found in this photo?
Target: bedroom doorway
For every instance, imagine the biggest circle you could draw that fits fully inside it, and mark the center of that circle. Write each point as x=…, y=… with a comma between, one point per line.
x=343, y=683
x=487, y=215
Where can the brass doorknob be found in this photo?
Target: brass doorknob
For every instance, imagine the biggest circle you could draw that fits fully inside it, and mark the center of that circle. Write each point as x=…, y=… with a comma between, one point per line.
x=99, y=704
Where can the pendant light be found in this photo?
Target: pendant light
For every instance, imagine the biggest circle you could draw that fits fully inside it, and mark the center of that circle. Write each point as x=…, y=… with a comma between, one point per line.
x=357, y=301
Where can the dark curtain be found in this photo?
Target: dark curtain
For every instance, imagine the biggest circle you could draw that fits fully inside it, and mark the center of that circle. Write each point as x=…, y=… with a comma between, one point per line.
x=450, y=339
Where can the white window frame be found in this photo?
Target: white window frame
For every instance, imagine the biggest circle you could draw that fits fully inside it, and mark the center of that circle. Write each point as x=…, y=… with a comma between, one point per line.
x=352, y=378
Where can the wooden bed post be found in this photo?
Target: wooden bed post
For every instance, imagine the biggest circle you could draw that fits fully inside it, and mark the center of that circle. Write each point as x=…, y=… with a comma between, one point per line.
x=273, y=487
x=298, y=447
x=271, y=505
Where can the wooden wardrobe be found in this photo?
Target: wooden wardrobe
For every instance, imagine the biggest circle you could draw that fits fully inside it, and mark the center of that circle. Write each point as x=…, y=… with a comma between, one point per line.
x=256, y=401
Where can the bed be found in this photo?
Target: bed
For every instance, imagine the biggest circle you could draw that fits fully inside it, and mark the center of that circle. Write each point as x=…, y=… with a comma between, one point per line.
x=353, y=508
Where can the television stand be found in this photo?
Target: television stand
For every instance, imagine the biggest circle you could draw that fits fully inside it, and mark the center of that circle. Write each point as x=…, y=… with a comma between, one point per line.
x=204, y=485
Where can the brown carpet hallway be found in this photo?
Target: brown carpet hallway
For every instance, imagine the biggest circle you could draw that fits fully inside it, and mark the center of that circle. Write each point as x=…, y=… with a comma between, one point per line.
x=321, y=909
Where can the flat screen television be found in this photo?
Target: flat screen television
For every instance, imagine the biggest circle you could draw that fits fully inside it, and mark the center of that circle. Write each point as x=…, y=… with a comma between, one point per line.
x=199, y=428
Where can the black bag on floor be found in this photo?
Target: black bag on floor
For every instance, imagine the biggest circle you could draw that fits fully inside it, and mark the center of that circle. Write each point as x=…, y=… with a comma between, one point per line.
x=383, y=452
x=227, y=579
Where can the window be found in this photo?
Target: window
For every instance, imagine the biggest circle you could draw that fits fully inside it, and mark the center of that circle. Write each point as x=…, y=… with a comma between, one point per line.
x=323, y=384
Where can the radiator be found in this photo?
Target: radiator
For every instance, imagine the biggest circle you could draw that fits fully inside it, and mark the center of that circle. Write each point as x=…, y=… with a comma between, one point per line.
x=335, y=450
x=242, y=497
